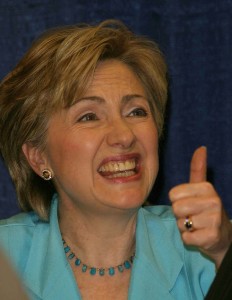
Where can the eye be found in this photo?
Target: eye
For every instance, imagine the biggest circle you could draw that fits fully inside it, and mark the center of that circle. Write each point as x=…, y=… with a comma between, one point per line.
x=88, y=117
x=138, y=112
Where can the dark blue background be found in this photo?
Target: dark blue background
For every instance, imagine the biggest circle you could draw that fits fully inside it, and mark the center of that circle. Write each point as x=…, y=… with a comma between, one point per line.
x=196, y=37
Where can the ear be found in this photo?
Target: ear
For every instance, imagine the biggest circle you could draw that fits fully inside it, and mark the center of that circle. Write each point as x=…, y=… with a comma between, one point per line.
x=35, y=157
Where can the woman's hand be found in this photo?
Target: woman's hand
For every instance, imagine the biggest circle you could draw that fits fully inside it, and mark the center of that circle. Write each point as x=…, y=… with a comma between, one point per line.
x=199, y=203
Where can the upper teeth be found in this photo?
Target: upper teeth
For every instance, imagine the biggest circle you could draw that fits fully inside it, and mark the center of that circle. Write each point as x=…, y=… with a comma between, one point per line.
x=118, y=166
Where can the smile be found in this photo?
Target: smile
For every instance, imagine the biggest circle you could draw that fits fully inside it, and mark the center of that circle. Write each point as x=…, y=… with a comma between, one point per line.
x=119, y=169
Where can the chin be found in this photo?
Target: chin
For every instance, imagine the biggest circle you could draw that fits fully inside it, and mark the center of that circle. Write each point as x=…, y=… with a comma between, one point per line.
x=130, y=202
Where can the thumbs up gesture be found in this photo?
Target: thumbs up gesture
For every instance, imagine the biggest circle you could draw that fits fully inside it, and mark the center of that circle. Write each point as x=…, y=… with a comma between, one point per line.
x=200, y=216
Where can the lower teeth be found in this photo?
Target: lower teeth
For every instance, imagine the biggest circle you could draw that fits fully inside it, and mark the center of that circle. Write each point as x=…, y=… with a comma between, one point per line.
x=122, y=174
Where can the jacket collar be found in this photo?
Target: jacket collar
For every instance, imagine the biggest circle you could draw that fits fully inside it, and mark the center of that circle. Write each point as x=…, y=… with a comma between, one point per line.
x=154, y=270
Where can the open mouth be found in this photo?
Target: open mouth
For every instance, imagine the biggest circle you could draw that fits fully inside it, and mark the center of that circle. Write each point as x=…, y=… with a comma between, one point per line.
x=119, y=169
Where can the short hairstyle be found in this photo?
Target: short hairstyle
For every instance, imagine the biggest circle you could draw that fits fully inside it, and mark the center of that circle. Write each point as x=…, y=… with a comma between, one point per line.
x=52, y=74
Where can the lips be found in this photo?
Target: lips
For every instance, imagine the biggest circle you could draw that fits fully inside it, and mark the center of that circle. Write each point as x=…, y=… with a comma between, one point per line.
x=119, y=167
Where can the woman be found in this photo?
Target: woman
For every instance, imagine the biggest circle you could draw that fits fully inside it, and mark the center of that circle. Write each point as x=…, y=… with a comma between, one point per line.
x=81, y=117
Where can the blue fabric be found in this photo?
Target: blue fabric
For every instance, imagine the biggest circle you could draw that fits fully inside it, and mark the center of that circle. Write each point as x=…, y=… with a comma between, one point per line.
x=163, y=268
x=196, y=37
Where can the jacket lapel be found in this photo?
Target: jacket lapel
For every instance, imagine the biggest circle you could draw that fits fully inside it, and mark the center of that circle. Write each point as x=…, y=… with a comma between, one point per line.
x=48, y=274
x=155, y=271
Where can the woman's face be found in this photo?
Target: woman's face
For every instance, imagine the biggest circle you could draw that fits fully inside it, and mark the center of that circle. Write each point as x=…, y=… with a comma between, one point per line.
x=104, y=149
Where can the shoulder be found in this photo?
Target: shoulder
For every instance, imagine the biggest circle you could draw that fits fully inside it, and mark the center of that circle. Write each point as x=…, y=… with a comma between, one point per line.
x=160, y=222
x=20, y=219
x=18, y=224
x=16, y=235
x=158, y=215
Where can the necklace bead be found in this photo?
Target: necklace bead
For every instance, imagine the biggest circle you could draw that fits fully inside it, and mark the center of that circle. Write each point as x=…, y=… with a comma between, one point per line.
x=101, y=272
x=77, y=262
x=127, y=264
x=84, y=268
x=93, y=271
x=111, y=271
x=71, y=255
x=66, y=249
x=120, y=268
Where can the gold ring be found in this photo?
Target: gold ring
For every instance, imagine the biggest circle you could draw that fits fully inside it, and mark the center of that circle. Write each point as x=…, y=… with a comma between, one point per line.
x=188, y=223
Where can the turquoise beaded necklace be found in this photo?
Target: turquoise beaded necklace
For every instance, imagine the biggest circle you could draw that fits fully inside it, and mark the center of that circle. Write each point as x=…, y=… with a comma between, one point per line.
x=126, y=265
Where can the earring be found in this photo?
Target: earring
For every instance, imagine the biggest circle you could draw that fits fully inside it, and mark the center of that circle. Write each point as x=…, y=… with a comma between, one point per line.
x=47, y=174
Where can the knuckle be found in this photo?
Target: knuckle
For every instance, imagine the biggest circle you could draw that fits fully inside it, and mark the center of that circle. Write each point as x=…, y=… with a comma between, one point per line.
x=180, y=225
x=172, y=193
x=216, y=222
x=214, y=236
x=185, y=238
x=215, y=203
x=208, y=187
x=175, y=208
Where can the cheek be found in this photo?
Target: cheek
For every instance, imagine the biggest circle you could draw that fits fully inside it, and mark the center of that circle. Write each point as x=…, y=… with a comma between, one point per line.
x=153, y=158
x=61, y=149
x=151, y=144
x=73, y=151
x=150, y=138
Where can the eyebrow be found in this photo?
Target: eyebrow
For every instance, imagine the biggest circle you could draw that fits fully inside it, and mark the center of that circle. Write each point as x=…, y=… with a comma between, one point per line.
x=125, y=99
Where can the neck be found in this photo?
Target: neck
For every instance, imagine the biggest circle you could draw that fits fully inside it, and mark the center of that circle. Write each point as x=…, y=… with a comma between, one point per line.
x=99, y=240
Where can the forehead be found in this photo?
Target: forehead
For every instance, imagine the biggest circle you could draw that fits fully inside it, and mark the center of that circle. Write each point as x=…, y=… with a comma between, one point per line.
x=112, y=73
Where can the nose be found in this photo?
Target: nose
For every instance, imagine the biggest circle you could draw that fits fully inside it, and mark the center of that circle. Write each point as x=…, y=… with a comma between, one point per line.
x=120, y=134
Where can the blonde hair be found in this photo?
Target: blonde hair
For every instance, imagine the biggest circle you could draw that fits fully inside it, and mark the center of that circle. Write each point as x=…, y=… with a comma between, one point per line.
x=52, y=74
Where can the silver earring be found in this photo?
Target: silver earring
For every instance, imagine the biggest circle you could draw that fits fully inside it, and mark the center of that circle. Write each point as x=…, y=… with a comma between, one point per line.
x=47, y=174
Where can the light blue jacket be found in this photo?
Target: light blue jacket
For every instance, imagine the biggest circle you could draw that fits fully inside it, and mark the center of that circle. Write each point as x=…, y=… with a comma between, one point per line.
x=163, y=268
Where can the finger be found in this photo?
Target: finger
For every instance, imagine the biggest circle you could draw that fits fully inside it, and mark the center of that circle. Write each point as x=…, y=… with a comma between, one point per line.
x=193, y=190
x=195, y=205
x=201, y=221
x=198, y=238
x=198, y=166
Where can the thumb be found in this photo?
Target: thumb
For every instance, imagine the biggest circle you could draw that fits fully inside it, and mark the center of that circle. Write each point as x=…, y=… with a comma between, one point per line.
x=198, y=166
